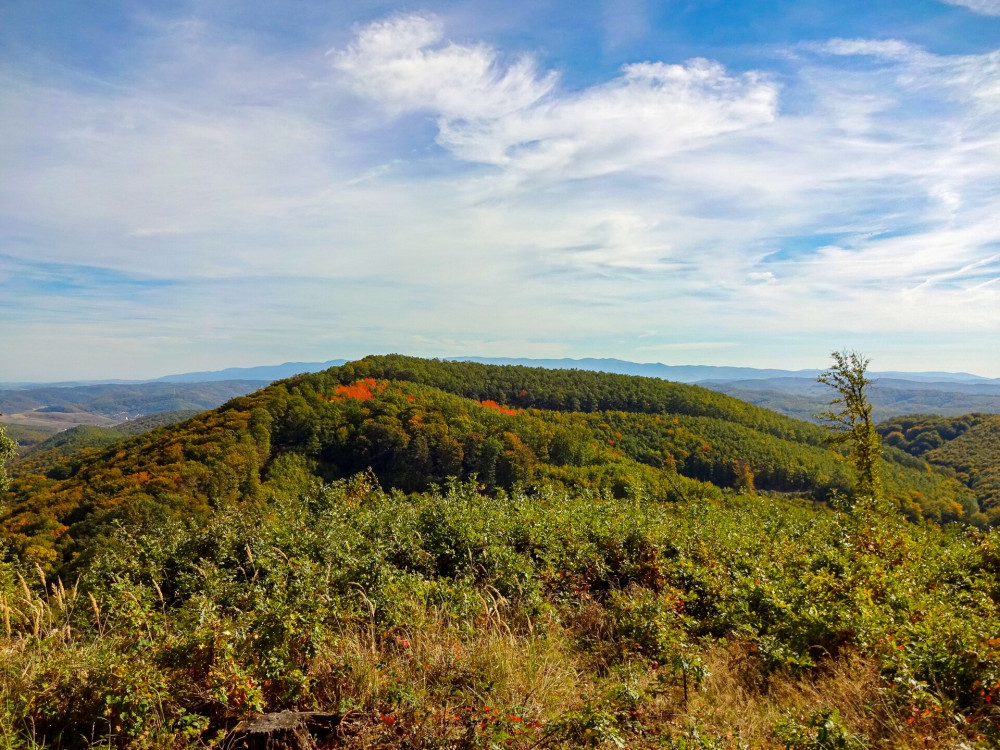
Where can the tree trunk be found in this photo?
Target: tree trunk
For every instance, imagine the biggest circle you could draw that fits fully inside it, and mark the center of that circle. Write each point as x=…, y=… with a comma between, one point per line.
x=287, y=730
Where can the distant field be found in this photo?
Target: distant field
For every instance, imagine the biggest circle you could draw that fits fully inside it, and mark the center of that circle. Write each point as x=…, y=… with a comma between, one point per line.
x=50, y=422
x=39, y=456
x=119, y=402
x=34, y=414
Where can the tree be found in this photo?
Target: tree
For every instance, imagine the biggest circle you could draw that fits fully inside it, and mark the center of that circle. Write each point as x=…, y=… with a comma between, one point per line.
x=853, y=424
x=7, y=449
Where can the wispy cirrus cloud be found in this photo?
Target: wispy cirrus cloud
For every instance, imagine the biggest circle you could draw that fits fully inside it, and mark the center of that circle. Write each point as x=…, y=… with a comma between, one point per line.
x=407, y=190
x=406, y=64
x=983, y=7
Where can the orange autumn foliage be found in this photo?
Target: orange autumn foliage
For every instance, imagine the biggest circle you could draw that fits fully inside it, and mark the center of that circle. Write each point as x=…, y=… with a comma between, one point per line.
x=490, y=404
x=362, y=390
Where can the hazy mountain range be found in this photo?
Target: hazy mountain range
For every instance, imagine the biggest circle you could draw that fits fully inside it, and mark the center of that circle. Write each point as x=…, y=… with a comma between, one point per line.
x=677, y=373
x=702, y=373
x=57, y=406
x=265, y=373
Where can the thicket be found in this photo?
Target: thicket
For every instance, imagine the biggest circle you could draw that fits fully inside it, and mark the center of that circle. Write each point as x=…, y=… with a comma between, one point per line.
x=918, y=434
x=26, y=436
x=462, y=619
x=565, y=390
x=7, y=450
x=975, y=457
x=49, y=456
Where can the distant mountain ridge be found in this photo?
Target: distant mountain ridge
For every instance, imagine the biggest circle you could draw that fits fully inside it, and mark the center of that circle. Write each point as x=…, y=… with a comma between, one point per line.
x=794, y=393
x=268, y=373
x=123, y=401
x=38, y=412
x=890, y=397
x=702, y=373
x=263, y=372
x=676, y=373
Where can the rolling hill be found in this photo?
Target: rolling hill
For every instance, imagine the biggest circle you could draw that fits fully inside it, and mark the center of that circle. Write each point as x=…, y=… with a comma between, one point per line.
x=416, y=423
x=803, y=398
x=701, y=374
x=967, y=445
x=121, y=401
x=43, y=456
x=266, y=373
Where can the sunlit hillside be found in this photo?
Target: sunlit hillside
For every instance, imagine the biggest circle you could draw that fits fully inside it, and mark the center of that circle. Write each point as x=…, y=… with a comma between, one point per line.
x=416, y=423
x=453, y=555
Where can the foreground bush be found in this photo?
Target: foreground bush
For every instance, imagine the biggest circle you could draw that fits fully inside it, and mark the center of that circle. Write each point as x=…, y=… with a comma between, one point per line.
x=461, y=619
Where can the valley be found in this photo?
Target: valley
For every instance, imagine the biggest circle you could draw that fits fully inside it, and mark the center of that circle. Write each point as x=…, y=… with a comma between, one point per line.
x=36, y=412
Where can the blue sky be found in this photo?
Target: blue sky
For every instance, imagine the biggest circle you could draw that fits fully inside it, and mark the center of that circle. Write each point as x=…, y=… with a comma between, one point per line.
x=199, y=185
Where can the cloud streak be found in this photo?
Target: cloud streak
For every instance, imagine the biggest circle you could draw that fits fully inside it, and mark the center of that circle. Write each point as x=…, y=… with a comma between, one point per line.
x=983, y=7
x=406, y=190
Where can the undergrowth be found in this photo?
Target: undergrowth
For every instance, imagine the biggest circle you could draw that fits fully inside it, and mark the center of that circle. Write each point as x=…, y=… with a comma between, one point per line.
x=459, y=619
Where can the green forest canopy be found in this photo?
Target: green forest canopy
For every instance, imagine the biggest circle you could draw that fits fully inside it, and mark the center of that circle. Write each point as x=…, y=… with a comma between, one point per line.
x=416, y=423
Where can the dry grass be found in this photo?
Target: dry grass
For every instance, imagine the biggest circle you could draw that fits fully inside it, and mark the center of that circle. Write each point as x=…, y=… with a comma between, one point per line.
x=735, y=702
x=442, y=671
x=419, y=687
x=432, y=685
x=435, y=683
x=545, y=677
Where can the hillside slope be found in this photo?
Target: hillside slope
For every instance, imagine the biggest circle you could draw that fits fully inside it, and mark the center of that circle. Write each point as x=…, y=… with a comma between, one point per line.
x=968, y=445
x=890, y=397
x=551, y=599
x=416, y=422
x=48, y=455
x=463, y=619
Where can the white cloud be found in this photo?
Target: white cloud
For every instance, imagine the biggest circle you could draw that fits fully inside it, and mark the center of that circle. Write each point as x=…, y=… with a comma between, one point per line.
x=513, y=116
x=971, y=77
x=411, y=192
x=983, y=7
x=199, y=143
x=405, y=65
x=892, y=49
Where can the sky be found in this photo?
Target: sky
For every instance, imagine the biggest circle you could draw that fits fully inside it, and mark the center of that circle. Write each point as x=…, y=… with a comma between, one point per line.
x=201, y=185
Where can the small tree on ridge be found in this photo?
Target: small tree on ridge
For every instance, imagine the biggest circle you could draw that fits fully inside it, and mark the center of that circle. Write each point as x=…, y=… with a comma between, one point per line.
x=852, y=423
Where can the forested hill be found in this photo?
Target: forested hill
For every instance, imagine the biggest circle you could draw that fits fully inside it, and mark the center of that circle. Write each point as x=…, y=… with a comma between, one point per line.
x=33, y=414
x=45, y=455
x=568, y=390
x=415, y=423
x=968, y=445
